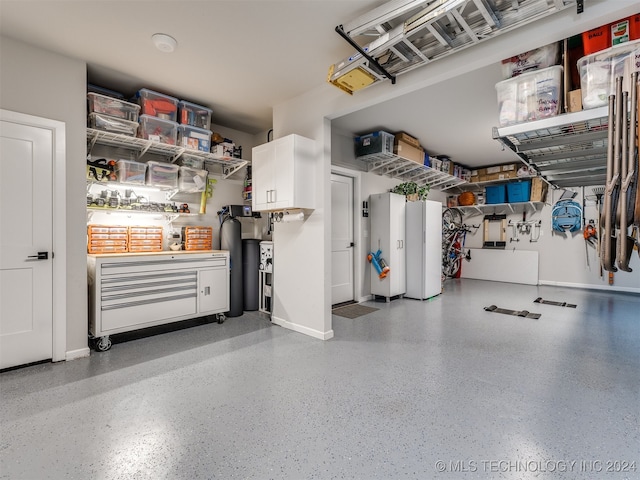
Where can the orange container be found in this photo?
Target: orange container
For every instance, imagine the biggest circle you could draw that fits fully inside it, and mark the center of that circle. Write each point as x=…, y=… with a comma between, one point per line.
x=634, y=27
x=597, y=39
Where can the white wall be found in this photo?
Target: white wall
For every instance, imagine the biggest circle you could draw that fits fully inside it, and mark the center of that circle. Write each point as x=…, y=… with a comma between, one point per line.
x=45, y=84
x=308, y=113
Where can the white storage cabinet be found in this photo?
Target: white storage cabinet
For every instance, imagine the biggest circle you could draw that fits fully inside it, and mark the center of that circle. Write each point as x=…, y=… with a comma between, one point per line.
x=387, y=214
x=284, y=174
x=132, y=291
x=424, y=249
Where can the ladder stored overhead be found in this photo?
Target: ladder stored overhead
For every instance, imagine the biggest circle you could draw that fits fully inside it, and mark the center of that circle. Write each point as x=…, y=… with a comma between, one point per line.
x=411, y=33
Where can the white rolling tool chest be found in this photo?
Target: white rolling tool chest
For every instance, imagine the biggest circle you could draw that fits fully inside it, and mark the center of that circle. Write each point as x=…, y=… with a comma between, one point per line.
x=132, y=291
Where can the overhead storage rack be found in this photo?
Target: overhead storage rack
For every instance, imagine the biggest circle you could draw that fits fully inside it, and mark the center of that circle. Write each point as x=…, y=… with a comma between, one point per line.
x=568, y=150
x=411, y=33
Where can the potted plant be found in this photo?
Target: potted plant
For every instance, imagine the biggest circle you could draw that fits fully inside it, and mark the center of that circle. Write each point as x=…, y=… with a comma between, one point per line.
x=411, y=191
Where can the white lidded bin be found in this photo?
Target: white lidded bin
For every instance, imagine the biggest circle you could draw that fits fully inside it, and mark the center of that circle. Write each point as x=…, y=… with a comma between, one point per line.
x=194, y=138
x=111, y=124
x=163, y=175
x=113, y=107
x=194, y=115
x=530, y=96
x=599, y=70
x=192, y=180
x=132, y=172
x=157, y=104
x=158, y=130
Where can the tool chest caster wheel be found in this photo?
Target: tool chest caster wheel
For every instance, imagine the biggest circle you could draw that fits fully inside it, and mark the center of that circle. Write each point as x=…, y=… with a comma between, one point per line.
x=102, y=344
x=221, y=318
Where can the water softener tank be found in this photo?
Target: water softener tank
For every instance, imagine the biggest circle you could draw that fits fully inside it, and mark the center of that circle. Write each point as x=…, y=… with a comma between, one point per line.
x=250, y=273
x=231, y=239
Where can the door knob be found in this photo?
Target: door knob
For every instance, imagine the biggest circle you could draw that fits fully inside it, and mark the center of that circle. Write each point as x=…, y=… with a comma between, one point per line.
x=40, y=256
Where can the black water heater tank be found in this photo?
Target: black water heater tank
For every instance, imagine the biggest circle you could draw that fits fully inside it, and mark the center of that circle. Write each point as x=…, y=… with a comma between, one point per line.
x=231, y=239
x=251, y=273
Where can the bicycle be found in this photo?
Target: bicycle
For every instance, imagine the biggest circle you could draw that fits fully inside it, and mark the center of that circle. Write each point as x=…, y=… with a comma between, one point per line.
x=454, y=234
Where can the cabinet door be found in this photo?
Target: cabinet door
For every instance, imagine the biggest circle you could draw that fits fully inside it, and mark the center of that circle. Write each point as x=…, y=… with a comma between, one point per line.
x=397, y=205
x=213, y=290
x=283, y=192
x=262, y=164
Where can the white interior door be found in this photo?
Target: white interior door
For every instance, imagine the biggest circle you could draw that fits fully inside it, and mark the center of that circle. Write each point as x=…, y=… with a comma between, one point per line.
x=26, y=226
x=341, y=239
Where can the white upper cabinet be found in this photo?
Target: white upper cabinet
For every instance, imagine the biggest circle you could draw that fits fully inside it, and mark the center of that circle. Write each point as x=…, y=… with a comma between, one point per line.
x=284, y=174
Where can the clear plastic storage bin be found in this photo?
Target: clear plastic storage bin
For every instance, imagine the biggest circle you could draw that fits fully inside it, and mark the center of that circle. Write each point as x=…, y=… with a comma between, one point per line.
x=157, y=104
x=107, y=123
x=599, y=70
x=158, y=130
x=192, y=180
x=372, y=143
x=163, y=175
x=190, y=161
x=194, y=115
x=113, y=107
x=530, y=96
x=194, y=138
x=129, y=171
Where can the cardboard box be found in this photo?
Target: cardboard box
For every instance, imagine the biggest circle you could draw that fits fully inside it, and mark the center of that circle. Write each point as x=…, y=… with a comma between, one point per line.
x=492, y=170
x=405, y=137
x=409, y=152
x=509, y=167
x=575, y=100
x=539, y=190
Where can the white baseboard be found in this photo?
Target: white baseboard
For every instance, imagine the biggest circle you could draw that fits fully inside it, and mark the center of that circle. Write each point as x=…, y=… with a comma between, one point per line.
x=588, y=286
x=302, y=329
x=366, y=298
x=80, y=353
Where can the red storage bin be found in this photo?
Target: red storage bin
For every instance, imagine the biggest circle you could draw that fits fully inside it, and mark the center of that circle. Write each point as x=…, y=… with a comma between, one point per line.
x=634, y=27
x=597, y=39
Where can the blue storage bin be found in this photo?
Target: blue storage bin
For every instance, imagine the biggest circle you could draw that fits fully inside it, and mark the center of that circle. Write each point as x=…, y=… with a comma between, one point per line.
x=495, y=194
x=519, y=191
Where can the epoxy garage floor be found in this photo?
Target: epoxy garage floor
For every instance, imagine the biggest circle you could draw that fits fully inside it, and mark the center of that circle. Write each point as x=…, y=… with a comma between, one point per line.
x=414, y=390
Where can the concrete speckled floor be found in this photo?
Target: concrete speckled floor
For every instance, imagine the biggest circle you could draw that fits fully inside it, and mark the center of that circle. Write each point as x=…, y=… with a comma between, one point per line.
x=415, y=390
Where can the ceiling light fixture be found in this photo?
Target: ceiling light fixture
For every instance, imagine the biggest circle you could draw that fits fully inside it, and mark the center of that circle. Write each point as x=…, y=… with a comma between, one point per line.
x=163, y=42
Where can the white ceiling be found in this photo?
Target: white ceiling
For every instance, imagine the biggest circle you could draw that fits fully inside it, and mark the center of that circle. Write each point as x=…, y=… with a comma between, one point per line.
x=242, y=57
x=237, y=57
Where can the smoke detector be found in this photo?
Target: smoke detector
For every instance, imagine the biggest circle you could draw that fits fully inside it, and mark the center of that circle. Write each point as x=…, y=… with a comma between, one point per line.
x=163, y=42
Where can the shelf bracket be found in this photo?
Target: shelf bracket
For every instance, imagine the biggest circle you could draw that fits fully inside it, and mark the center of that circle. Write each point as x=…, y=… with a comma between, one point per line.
x=170, y=194
x=230, y=170
x=144, y=150
x=177, y=155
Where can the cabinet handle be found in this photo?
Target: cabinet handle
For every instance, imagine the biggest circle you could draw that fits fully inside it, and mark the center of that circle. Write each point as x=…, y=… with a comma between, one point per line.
x=275, y=196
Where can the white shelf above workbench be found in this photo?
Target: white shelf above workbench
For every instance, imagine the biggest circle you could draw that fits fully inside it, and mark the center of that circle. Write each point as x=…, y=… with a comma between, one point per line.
x=141, y=146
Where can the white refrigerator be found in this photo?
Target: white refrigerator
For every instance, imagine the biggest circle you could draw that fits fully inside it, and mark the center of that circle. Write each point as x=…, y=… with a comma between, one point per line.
x=423, y=249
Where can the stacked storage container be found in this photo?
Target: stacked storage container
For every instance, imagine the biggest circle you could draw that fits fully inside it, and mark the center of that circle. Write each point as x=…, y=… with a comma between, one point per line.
x=530, y=96
x=194, y=131
x=112, y=114
x=145, y=239
x=158, y=118
x=197, y=238
x=107, y=239
x=162, y=175
x=599, y=70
